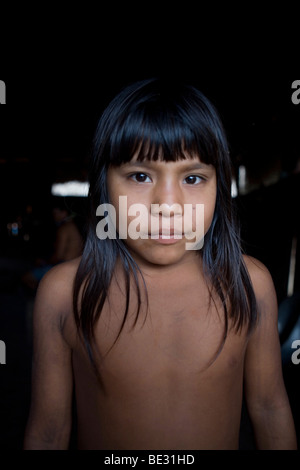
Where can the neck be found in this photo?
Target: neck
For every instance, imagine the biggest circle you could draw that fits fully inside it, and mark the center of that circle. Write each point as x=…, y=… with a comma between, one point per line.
x=183, y=269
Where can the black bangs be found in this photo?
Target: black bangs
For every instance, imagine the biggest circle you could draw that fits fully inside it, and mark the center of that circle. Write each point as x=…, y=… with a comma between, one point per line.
x=162, y=128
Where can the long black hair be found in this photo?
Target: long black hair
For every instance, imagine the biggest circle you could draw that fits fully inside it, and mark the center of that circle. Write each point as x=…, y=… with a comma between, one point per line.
x=151, y=118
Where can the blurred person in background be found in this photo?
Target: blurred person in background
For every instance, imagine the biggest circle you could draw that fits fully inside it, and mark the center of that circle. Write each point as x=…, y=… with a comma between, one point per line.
x=68, y=244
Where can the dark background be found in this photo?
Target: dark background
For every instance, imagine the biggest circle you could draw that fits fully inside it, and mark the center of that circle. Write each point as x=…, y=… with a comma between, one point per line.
x=57, y=88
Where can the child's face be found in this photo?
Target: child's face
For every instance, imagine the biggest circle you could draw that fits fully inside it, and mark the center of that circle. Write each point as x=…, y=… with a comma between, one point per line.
x=162, y=184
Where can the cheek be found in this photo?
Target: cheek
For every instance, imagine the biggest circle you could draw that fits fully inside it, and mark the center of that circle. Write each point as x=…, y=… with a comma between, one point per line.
x=131, y=217
x=203, y=215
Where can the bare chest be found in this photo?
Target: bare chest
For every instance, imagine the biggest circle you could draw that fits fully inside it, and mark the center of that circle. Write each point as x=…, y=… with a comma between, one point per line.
x=176, y=334
x=168, y=375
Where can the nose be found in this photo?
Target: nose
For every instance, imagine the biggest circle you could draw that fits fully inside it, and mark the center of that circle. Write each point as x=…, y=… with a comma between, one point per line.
x=167, y=196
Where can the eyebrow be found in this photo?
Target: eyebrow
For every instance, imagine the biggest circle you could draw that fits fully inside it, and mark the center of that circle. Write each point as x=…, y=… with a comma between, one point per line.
x=187, y=167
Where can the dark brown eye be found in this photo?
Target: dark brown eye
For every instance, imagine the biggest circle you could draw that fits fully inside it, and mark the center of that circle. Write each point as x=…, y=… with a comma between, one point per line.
x=140, y=177
x=193, y=179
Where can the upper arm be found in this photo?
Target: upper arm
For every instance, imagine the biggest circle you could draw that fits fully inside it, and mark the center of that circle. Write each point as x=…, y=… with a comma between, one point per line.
x=52, y=382
x=264, y=386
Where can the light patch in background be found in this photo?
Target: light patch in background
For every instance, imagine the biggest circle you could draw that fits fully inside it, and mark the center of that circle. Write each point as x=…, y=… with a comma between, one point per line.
x=242, y=179
x=70, y=188
x=234, y=189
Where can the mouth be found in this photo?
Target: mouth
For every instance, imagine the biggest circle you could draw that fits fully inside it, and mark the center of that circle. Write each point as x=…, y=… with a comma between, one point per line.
x=166, y=233
x=166, y=236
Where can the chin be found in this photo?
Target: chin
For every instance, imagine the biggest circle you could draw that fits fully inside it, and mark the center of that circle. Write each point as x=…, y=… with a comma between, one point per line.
x=161, y=256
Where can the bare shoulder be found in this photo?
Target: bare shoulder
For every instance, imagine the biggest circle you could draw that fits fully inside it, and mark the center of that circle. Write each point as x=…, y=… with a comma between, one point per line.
x=55, y=291
x=61, y=277
x=259, y=274
x=263, y=285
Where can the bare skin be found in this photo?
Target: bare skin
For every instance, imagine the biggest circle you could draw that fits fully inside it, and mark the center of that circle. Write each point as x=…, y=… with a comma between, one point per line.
x=162, y=385
x=166, y=395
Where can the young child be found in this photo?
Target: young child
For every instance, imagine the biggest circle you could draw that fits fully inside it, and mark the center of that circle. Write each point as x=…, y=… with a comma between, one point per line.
x=160, y=338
